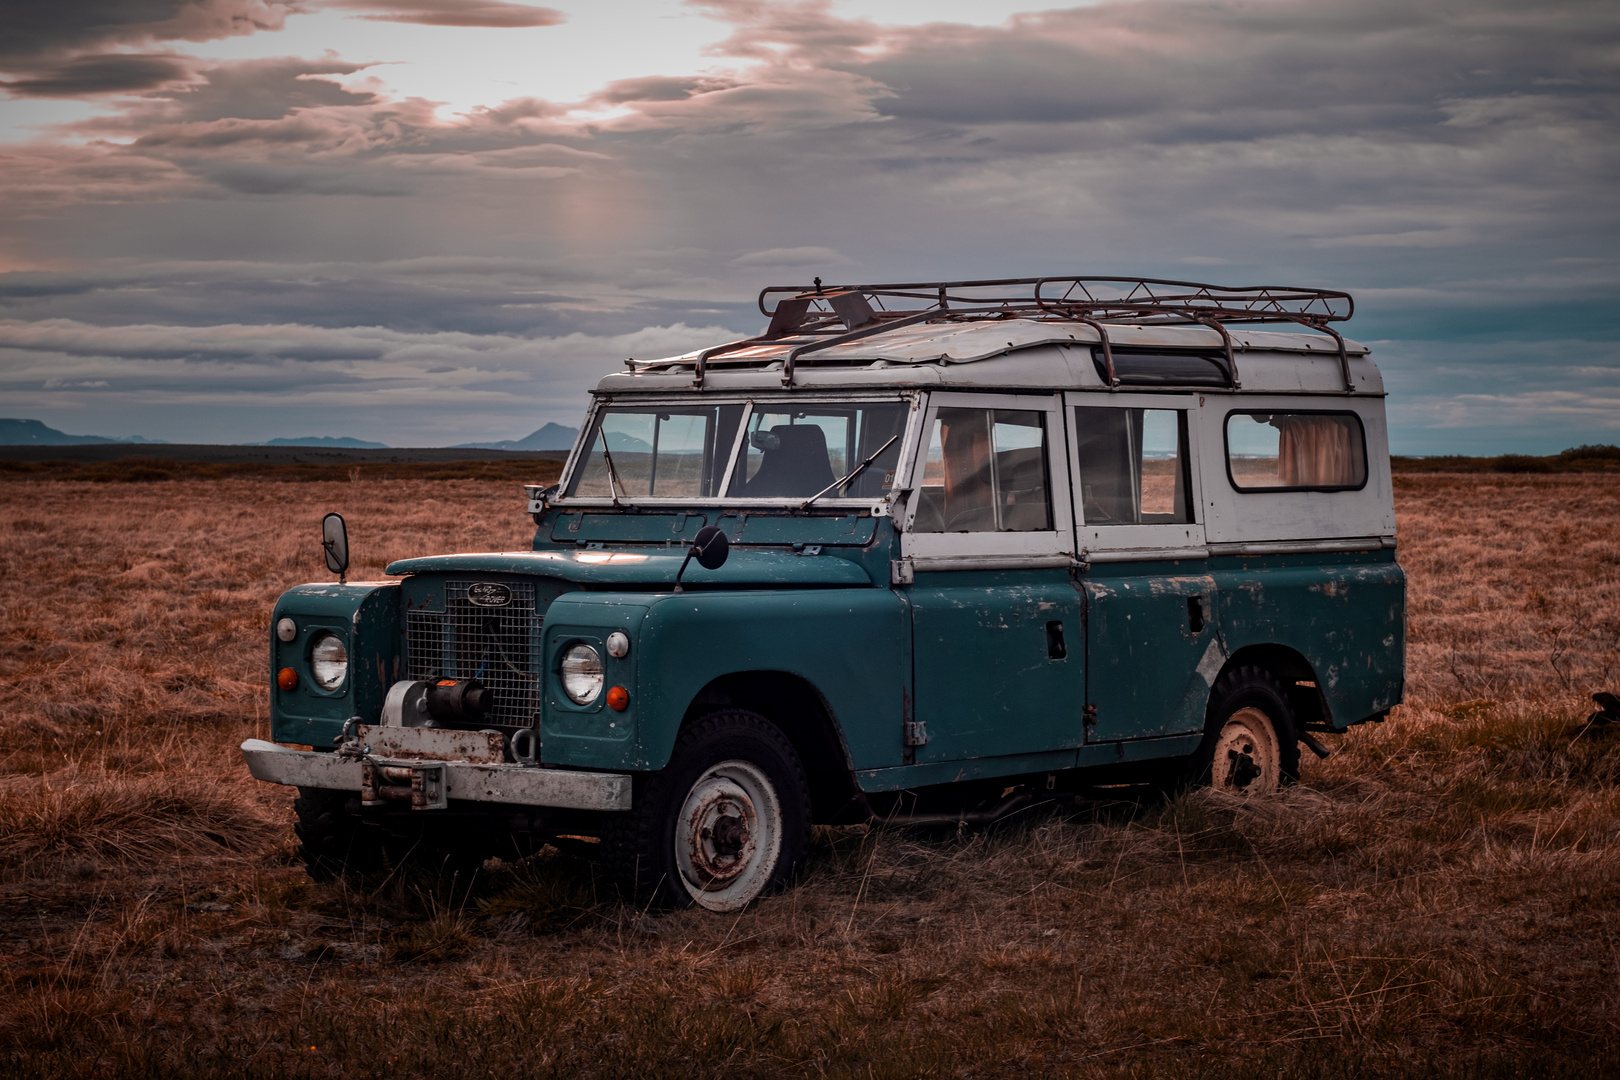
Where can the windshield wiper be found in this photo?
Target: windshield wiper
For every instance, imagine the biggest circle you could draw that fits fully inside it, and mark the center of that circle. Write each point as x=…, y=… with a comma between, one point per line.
x=852, y=474
x=613, y=474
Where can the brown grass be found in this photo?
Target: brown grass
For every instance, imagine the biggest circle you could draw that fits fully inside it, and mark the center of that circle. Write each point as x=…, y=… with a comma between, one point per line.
x=1438, y=898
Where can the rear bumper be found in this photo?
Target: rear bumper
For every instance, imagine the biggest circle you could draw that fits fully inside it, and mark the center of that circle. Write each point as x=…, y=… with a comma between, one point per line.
x=522, y=785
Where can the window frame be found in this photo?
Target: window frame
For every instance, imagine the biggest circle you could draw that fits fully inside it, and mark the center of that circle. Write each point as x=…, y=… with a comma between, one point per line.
x=582, y=449
x=1155, y=535
x=1226, y=450
x=1057, y=540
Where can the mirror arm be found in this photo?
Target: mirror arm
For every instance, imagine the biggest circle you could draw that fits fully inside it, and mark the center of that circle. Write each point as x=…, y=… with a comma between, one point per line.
x=684, y=564
x=343, y=574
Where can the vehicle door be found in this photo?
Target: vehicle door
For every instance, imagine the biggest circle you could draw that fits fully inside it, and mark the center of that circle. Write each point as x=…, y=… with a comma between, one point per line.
x=1151, y=642
x=997, y=662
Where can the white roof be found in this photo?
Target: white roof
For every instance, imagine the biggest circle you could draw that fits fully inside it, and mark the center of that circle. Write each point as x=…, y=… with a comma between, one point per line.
x=1012, y=353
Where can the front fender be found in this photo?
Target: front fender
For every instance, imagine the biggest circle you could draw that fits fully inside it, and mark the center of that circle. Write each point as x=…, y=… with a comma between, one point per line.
x=365, y=614
x=847, y=643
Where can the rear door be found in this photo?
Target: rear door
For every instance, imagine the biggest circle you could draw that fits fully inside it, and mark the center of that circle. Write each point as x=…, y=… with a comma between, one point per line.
x=1151, y=641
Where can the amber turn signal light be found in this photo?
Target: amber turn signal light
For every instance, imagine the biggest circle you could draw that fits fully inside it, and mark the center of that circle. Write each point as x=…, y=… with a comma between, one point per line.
x=618, y=699
x=287, y=679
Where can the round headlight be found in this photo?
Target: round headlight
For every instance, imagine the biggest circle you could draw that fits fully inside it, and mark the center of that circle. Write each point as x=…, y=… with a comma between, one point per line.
x=329, y=660
x=582, y=674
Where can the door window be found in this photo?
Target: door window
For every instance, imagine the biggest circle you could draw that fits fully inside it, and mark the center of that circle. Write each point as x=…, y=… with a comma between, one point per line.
x=1133, y=466
x=985, y=471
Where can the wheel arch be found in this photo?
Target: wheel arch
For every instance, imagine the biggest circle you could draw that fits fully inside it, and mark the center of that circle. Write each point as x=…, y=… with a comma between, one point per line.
x=1298, y=677
x=802, y=713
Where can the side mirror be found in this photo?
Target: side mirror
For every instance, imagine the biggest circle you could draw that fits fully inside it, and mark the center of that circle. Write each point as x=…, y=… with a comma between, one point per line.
x=710, y=547
x=335, y=539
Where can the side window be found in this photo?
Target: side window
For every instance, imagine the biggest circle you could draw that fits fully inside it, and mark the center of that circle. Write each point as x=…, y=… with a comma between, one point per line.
x=985, y=472
x=1268, y=451
x=1133, y=466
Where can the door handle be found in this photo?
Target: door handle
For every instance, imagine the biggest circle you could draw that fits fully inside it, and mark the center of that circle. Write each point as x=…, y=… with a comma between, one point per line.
x=1055, y=648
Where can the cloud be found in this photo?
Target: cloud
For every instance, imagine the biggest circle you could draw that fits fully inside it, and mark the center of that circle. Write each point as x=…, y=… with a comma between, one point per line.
x=31, y=29
x=792, y=258
x=405, y=388
x=1453, y=168
x=488, y=13
x=659, y=88
x=102, y=73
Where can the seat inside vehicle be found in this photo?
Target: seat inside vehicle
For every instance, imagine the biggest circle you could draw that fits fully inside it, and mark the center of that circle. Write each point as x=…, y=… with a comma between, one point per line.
x=797, y=463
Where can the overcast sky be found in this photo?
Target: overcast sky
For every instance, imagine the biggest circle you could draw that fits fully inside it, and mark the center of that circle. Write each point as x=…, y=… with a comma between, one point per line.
x=435, y=221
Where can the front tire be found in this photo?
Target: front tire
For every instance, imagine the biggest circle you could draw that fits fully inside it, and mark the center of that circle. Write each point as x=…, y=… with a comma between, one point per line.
x=726, y=822
x=1250, y=748
x=333, y=842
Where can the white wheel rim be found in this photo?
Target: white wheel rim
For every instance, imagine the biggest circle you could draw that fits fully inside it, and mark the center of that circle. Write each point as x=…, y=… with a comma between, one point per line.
x=728, y=836
x=1247, y=762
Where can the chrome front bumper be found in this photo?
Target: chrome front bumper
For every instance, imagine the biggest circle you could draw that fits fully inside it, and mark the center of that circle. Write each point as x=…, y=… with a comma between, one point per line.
x=522, y=785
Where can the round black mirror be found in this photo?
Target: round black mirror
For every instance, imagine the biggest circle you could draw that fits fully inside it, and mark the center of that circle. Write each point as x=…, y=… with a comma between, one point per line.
x=710, y=547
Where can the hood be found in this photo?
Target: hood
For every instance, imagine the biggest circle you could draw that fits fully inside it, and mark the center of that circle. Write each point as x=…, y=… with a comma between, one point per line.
x=772, y=568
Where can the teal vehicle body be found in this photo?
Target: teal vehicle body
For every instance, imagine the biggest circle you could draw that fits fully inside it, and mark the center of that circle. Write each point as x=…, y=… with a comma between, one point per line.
x=365, y=617
x=975, y=555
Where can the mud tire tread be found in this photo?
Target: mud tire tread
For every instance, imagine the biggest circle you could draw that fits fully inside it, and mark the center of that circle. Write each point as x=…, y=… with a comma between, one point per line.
x=1238, y=688
x=333, y=842
x=636, y=851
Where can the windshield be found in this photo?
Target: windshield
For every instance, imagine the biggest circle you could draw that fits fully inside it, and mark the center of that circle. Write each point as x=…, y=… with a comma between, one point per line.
x=674, y=452
x=795, y=452
x=789, y=450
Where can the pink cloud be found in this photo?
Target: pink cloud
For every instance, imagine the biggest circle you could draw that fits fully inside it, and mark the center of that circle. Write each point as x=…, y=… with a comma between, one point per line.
x=486, y=13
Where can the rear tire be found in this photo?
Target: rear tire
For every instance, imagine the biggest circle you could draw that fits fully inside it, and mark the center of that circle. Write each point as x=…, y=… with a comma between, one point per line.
x=726, y=822
x=1250, y=748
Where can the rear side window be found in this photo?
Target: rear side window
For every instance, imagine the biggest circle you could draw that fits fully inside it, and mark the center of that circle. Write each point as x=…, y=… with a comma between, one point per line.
x=985, y=472
x=1296, y=451
x=1133, y=466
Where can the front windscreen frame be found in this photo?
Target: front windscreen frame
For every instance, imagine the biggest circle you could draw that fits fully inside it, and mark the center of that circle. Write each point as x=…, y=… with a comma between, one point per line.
x=751, y=403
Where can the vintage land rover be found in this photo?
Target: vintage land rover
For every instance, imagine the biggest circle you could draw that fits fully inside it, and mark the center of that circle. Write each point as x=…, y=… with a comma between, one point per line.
x=915, y=553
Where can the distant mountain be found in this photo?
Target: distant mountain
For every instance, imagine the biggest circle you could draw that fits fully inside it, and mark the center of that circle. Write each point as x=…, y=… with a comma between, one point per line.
x=550, y=437
x=627, y=444
x=17, y=432
x=329, y=441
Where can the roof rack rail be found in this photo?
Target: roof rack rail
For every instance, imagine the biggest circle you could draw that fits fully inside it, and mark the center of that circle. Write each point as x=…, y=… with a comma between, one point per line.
x=808, y=320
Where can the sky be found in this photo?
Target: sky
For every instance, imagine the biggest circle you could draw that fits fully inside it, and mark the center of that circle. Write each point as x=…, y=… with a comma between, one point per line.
x=428, y=222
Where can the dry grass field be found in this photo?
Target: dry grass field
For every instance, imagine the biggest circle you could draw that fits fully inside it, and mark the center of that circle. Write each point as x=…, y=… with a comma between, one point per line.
x=1441, y=897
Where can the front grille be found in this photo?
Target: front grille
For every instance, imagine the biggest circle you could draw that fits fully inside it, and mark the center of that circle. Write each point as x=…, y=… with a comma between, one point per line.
x=498, y=646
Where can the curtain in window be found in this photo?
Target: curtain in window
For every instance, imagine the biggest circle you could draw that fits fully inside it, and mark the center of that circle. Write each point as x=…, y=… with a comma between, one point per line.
x=1318, y=451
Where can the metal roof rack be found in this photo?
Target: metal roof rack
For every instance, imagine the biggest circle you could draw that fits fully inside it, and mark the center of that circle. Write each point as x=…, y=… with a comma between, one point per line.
x=808, y=320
